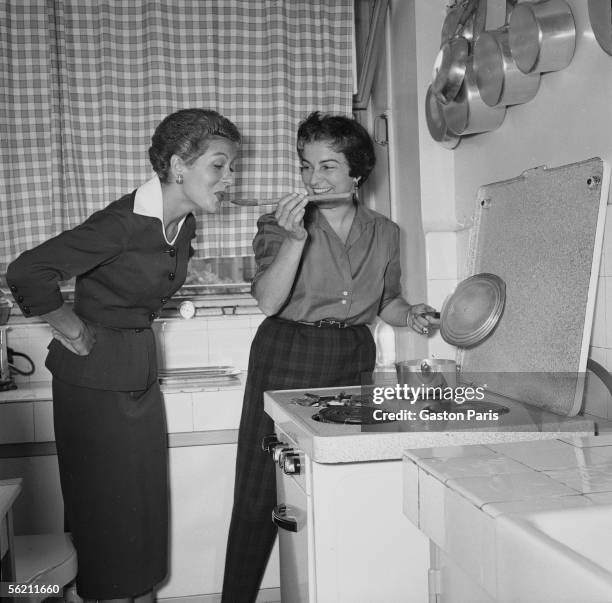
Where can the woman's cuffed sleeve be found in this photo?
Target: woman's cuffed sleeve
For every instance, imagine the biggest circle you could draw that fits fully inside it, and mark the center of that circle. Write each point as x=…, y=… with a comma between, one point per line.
x=267, y=242
x=35, y=275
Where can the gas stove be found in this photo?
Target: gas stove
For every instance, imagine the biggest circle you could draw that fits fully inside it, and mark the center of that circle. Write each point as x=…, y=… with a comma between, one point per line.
x=360, y=408
x=336, y=425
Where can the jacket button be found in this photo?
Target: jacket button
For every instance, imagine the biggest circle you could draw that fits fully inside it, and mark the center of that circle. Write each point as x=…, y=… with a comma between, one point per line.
x=152, y=316
x=26, y=310
x=20, y=299
x=163, y=300
x=171, y=252
x=13, y=288
x=171, y=276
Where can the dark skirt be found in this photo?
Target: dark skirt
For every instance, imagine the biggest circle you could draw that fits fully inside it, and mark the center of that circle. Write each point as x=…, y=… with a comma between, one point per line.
x=112, y=453
x=284, y=355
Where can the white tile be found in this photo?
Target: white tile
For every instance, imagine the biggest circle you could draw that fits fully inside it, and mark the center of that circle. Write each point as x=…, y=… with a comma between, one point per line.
x=502, y=488
x=463, y=246
x=597, y=478
x=229, y=346
x=444, y=452
x=432, y=495
x=410, y=499
x=43, y=422
x=536, y=504
x=183, y=344
x=217, y=410
x=470, y=540
x=598, y=333
x=453, y=468
x=604, y=439
x=554, y=454
x=438, y=348
x=600, y=498
x=438, y=290
x=441, y=255
x=179, y=412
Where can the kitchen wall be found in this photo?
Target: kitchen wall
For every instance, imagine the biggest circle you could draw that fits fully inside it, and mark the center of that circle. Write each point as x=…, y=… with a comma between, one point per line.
x=569, y=120
x=210, y=340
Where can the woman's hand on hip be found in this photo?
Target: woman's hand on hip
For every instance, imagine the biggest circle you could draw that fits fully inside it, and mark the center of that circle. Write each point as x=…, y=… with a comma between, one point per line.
x=290, y=215
x=81, y=344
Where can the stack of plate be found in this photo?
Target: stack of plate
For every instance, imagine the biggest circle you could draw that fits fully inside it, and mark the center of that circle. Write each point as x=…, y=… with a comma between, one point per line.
x=471, y=313
x=192, y=376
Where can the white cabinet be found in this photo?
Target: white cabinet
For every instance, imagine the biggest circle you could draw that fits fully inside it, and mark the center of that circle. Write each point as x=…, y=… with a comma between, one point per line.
x=202, y=489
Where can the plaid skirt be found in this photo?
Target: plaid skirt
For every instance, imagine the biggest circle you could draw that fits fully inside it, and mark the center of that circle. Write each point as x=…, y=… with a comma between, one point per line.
x=291, y=355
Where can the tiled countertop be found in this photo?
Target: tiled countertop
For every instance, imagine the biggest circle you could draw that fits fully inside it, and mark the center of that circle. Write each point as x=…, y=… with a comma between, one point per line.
x=462, y=497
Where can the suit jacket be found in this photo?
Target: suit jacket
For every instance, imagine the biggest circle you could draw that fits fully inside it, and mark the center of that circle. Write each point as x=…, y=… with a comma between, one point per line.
x=125, y=272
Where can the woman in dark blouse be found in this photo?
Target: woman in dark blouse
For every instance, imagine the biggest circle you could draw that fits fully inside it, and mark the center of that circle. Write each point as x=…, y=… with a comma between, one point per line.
x=324, y=271
x=129, y=259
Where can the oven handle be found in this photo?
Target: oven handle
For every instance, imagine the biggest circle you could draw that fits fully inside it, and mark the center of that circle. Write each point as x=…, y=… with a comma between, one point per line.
x=287, y=518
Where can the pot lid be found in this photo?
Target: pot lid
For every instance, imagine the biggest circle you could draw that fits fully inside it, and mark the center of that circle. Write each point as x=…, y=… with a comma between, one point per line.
x=471, y=313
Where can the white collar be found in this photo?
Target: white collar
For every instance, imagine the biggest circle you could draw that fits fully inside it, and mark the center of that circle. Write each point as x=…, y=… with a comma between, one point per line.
x=149, y=202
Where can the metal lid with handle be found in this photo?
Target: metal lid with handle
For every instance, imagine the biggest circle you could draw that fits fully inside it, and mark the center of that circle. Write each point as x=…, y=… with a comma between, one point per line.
x=471, y=313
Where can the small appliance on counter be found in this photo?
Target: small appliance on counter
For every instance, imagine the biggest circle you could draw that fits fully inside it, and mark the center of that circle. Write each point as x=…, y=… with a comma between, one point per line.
x=7, y=355
x=6, y=381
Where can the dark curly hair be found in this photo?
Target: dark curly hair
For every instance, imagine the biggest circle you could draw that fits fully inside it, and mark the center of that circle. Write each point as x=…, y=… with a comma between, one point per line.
x=187, y=133
x=345, y=135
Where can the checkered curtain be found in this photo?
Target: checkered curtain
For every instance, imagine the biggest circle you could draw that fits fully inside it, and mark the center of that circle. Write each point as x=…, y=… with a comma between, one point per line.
x=84, y=83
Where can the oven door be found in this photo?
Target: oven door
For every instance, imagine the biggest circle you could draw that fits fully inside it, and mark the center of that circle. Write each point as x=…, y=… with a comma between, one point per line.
x=290, y=515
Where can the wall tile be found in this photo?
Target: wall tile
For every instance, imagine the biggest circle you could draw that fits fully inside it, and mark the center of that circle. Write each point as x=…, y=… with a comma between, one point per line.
x=179, y=412
x=438, y=290
x=441, y=255
x=217, y=410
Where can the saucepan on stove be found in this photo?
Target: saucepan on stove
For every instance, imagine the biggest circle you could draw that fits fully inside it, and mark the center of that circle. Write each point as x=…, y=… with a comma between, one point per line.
x=427, y=373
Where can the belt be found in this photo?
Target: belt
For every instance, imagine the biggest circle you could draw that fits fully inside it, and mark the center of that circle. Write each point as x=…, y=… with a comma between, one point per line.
x=326, y=323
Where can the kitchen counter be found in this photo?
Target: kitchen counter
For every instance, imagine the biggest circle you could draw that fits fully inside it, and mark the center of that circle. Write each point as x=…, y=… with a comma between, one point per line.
x=196, y=414
x=342, y=443
x=512, y=518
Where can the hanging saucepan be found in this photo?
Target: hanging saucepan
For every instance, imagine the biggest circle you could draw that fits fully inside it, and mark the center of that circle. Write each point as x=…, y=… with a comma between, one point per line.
x=449, y=69
x=499, y=80
x=468, y=113
x=457, y=21
x=600, y=16
x=437, y=124
x=542, y=35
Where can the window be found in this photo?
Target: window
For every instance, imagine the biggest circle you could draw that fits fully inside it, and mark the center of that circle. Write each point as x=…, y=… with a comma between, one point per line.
x=83, y=85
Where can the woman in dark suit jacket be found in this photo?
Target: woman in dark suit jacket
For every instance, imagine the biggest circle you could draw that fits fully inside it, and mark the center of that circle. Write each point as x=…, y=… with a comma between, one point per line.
x=129, y=259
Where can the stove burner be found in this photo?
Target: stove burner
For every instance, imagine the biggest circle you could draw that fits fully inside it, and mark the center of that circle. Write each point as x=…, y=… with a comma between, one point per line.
x=353, y=414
